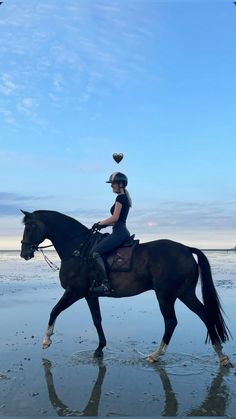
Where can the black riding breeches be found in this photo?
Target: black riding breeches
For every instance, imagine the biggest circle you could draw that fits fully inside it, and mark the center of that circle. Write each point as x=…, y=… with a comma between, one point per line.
x=118, y=236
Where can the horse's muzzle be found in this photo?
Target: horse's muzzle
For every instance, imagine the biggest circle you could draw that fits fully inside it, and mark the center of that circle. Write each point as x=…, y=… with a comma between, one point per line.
x=27, y=254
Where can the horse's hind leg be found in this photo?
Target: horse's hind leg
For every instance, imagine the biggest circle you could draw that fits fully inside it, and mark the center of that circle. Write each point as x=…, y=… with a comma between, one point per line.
x=168, y=312
x=194, y=304
x=69, y=297
x=94, y=307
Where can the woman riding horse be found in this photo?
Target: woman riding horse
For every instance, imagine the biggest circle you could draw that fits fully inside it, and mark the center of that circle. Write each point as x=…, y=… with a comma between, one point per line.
x=119, y=233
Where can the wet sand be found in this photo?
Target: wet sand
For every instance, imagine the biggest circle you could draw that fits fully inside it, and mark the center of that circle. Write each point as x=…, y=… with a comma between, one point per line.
x=65, y=380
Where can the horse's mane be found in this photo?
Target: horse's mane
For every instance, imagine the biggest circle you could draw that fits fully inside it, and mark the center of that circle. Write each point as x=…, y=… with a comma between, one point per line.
x=57, y=218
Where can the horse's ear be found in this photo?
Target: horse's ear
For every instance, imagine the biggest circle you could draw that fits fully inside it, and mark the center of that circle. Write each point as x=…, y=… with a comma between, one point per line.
x=26, y=213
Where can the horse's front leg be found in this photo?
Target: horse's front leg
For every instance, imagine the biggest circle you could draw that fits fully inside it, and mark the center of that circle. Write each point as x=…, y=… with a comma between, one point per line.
x=69, y=297
x=94, y=307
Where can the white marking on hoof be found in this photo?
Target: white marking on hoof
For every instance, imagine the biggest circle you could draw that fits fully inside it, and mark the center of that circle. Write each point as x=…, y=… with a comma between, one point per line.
x=153, y=357
x=224, y=359
x=150, y=359
x=46, y=342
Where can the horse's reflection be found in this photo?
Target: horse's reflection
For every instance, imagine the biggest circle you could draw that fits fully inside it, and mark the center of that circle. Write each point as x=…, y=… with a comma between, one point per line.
x=214, y=404
x=61, y=409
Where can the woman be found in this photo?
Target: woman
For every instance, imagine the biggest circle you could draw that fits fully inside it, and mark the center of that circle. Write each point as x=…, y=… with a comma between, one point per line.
x=119, y=212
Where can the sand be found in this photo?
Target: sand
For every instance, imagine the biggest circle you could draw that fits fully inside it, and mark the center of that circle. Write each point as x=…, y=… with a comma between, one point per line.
x=65, y=380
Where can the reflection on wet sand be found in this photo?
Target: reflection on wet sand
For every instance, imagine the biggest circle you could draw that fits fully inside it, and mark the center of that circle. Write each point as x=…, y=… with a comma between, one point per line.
x=215, y=403
x=171, y=403
x=61, y=409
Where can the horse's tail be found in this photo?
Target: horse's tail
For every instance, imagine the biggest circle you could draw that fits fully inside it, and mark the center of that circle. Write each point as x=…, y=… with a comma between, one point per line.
x=217, y=328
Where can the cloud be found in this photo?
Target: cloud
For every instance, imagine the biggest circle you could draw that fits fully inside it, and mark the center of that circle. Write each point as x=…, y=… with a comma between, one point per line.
x=11, y=203
x=28, y=106
x=10, y=196
x=205, y=224
x=99, y=45
x=174, y=215
x=171, y=218
x=7, y=86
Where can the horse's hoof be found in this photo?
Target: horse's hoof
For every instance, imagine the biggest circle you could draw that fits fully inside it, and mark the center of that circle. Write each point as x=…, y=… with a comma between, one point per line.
x=46, y=344
x=225, y=362
x=150, y=359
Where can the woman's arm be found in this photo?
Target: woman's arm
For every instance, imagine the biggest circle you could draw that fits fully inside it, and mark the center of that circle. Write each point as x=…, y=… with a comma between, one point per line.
x=115, y=216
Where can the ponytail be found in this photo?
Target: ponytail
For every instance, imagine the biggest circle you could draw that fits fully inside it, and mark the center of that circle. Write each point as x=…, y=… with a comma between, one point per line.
x=128, y=196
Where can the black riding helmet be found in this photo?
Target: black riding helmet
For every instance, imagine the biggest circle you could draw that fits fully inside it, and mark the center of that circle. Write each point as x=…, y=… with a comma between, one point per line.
x=118, y=177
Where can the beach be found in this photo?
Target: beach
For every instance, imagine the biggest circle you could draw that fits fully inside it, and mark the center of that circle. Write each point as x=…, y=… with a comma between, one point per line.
x=65, y=380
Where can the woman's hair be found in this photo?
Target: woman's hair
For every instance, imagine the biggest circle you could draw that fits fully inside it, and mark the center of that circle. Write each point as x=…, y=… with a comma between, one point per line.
x=128, y=196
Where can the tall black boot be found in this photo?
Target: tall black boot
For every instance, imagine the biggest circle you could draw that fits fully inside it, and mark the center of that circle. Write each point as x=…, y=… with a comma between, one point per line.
x=104, y=288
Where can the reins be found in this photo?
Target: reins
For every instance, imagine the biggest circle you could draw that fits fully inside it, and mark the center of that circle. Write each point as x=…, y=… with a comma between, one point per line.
x=44, y=247
x=51, y=264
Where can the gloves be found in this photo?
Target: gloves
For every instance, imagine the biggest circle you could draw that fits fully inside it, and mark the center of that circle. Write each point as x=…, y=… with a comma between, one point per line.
x=97, y=226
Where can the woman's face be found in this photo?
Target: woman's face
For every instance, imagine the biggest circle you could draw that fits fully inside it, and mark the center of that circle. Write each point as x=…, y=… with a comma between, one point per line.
x=115, y=187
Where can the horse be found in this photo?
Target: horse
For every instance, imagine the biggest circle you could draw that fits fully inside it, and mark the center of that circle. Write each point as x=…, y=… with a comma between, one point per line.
x=165, y=266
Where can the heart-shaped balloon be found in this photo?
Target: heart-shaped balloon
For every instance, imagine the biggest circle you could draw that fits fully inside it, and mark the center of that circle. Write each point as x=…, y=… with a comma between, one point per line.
x=118, y=157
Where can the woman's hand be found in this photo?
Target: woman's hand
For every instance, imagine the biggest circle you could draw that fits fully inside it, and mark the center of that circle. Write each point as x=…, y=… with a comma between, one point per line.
x=98, y=226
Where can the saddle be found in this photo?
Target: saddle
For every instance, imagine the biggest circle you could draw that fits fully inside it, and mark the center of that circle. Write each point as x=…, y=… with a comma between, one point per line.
x=121, y=259
x=118, y=260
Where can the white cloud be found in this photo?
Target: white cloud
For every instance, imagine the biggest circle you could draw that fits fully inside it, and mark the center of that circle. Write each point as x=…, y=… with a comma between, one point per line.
x=173, y=216
x=101, y=46
x=58, y=81
x=152, y=223
x=7, y=85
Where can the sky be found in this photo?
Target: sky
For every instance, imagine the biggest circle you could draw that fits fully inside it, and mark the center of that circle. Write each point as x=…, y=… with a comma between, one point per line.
x=155, y=80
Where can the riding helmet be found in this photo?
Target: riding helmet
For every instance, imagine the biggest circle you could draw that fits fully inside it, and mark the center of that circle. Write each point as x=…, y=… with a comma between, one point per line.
x=117, y=177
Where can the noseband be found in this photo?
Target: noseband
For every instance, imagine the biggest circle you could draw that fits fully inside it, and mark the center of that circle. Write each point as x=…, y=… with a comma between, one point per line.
x=32, y=245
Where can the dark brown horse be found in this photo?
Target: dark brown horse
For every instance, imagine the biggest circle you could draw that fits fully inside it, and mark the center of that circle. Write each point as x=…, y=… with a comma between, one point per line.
x=165, y=266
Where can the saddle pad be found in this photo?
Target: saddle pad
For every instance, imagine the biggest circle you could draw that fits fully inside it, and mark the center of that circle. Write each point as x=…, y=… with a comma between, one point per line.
x=121, y=259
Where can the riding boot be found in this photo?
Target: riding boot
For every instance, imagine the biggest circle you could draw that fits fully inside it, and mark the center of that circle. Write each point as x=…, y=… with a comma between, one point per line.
x=104, y=288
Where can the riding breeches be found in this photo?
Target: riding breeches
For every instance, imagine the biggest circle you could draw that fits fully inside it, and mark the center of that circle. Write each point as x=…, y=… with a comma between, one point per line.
x=118, y=236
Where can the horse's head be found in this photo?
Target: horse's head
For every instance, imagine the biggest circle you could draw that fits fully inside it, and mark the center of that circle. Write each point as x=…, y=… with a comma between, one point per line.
x=34, y=234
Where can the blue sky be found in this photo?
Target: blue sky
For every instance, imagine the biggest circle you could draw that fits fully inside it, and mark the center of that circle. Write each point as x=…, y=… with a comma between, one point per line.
x=80, y=80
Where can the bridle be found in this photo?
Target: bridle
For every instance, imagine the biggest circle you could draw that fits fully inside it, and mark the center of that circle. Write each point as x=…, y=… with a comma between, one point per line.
x=36, y=247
